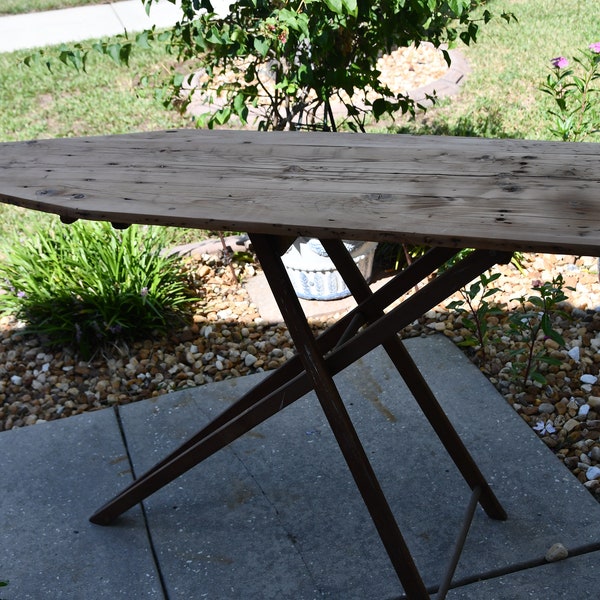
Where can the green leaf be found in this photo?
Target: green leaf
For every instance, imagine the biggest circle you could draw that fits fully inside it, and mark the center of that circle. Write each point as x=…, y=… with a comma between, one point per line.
x=114, y=51
x=178, y=79
x=72, y=58
x=302, y=22
x=474, y=290
x=124, y=54
x=239, y=107
x=550, y=332
x=335, y=6
x=490, y=292
x=454, y=304
x=351, y=7
x=549, y=360
x=536, y=301
x=261, y=46
x=537, y=376
x=457, y=6
x=141, y=40
x=203, y=120
x=380, y=107
x=223, y=115
x=468, y=324
x=214, y=36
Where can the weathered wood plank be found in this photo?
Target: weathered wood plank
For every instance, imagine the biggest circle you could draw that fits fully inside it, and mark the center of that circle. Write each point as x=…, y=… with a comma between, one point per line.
x=504, y=194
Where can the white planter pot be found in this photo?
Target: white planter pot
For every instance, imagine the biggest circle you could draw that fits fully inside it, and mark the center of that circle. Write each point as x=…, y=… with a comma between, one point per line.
x=314, y=275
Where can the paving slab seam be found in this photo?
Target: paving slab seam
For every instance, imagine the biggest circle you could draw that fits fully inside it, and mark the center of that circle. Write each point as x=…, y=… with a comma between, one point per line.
x=151, y=544
x=290, y=536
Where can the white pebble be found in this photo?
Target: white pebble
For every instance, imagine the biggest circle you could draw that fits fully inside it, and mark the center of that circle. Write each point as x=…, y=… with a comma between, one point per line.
x=574, y=353
x=584, y=410
x=16, y=380
x=588, y=379
x=593, y=473
x=249, y=360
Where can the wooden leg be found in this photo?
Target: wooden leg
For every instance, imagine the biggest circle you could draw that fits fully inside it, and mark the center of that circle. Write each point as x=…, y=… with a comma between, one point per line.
x=243, y=418
x=277, y=390
x=418, y=386
x=208, y=442
x=338, y=418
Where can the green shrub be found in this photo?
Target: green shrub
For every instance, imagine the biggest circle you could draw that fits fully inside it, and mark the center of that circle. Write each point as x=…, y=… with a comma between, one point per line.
x=284, y=63
x=87, y=284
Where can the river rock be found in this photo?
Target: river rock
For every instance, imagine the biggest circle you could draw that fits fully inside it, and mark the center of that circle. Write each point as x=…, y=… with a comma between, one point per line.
x=556, y=552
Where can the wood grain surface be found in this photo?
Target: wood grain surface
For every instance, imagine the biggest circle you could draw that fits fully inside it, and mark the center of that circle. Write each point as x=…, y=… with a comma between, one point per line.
x=458, y=192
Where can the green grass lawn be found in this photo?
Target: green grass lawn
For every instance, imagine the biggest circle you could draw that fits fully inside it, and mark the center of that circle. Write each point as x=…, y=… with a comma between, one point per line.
x=501, y=96
x=37, y=103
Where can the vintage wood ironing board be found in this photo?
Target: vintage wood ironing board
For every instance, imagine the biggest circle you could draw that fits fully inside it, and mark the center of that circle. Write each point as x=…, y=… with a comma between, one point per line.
x=494, y=196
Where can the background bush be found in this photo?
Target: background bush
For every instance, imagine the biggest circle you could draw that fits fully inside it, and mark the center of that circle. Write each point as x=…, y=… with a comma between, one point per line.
x=87, y=284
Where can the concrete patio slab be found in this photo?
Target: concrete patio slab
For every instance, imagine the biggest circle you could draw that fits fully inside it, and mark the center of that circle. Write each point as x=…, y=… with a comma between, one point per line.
x=575, y=577
x=276, y=514
x=53, y=476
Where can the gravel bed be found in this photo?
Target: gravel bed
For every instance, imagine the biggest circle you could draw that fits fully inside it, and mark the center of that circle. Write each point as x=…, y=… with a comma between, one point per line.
x=228, y=338
x=565, y=411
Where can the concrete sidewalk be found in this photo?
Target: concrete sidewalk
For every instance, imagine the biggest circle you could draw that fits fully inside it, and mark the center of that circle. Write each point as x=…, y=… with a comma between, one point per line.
x=276, y=514
x=34, y=30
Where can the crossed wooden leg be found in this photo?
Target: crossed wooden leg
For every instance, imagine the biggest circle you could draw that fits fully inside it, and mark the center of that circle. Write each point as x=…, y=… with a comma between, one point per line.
x=317, y=361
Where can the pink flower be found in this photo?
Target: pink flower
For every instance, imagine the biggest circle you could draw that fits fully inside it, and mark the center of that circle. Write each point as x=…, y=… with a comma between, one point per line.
x=595, y=47
x=560, y=62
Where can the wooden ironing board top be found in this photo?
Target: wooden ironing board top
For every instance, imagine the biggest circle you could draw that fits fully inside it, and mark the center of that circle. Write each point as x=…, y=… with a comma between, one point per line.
x=448, y=191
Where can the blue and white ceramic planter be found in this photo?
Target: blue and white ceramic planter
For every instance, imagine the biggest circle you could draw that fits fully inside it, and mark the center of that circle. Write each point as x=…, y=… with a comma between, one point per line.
x=314, y=275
